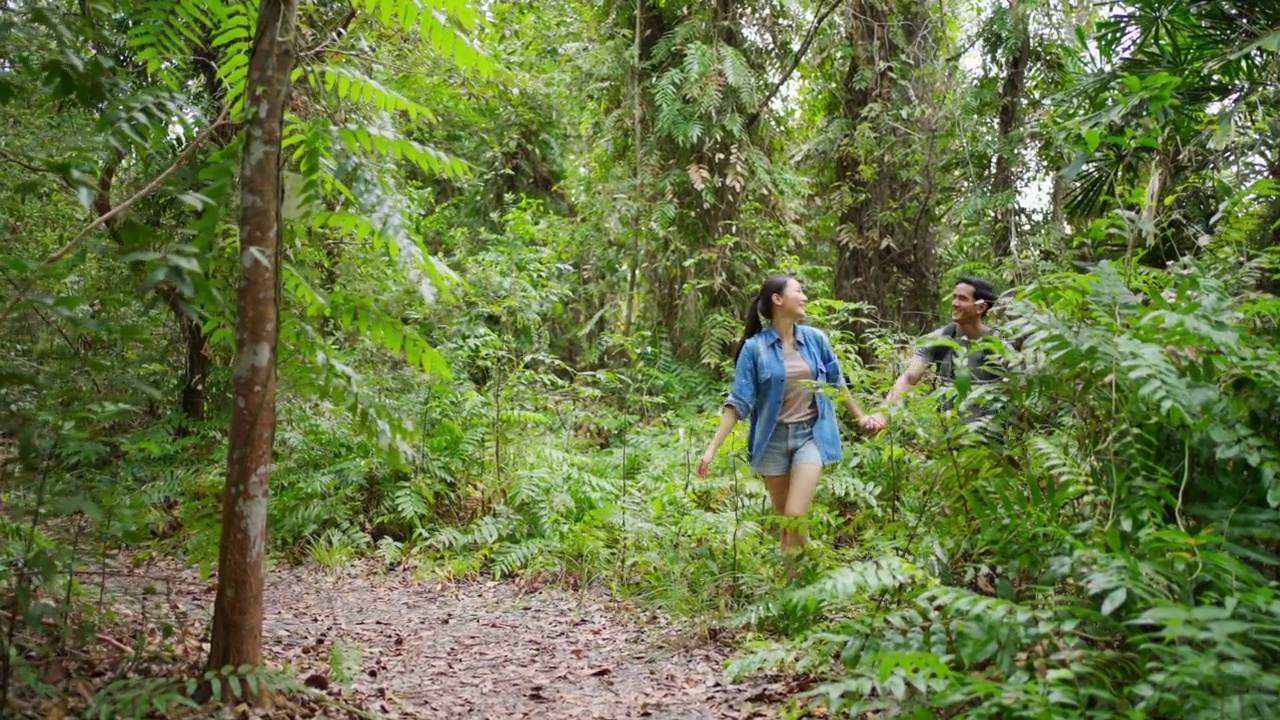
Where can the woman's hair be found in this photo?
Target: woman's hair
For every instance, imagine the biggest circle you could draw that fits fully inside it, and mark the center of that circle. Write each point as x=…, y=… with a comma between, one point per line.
x=762, y=304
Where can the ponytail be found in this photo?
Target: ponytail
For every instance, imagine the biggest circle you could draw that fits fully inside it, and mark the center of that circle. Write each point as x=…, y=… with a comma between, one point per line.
x=753, y=326
x=761, y=305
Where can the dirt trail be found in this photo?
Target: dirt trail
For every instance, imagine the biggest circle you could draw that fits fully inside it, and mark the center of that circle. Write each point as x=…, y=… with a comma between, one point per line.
x=480, y=649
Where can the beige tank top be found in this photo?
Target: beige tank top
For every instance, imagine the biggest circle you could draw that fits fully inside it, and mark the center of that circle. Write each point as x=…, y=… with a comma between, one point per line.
x=798, y=403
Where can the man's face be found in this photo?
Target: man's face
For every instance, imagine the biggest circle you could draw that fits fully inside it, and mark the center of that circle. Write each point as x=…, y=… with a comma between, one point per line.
x=964, y=309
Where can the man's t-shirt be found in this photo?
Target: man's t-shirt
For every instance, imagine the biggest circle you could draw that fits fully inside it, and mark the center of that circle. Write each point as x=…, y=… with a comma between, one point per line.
x=943, y=358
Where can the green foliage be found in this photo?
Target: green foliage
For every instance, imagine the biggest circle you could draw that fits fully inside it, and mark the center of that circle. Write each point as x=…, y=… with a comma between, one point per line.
x=518, y=246
x=344, y=662
x=1121, y=565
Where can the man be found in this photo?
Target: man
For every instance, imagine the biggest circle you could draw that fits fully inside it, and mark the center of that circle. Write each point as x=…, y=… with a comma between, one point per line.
x=972, y=299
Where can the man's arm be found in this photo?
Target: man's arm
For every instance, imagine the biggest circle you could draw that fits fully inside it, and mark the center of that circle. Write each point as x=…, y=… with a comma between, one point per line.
x=914, y=373
x=907, y=380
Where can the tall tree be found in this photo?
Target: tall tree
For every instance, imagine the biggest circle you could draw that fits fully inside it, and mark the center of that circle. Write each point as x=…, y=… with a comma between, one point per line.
x=709, y=172
x=893, y=139
x=1018, y=51
x=237, y=610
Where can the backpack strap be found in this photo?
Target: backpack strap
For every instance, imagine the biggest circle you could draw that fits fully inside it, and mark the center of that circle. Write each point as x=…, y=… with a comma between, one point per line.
x=946, y=367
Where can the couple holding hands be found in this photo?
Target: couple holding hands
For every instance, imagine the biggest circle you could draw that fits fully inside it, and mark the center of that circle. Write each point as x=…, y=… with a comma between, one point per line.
x=793, y=431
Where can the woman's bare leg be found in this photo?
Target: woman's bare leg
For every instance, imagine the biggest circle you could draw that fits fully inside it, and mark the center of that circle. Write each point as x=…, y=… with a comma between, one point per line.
x=803, y=485
x=779, y=488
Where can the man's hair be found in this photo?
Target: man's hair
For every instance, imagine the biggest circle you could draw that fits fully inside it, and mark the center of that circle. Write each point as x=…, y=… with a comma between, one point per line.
x=982, y=290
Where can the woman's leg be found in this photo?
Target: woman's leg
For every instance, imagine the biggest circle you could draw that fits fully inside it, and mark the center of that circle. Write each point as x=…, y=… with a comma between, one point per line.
x=774, y=465
x=806, y=469
x=804, y=483
x=779, y=488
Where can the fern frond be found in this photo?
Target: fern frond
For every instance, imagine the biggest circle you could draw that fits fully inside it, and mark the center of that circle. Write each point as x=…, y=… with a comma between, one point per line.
x=432, y=18
x=352, y=85
x=389, y=144
x=719, y=331
x=510, y=559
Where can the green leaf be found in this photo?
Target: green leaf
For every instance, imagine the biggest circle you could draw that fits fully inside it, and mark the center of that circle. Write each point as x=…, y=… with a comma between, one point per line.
x=1114, y=600
x=141, y=256
x=1091, y=139
x=1071, y=171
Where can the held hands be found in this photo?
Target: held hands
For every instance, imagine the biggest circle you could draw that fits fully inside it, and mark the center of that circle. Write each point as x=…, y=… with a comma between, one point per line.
x=704, y=464
x=873, y=424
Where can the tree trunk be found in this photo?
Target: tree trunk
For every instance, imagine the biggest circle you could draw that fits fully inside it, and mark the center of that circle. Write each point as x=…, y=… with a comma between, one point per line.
x=1059, y=204
x=198, y=361
x=237, y=609
x=1269, y=282
x=1015, y=83
x=886, y=201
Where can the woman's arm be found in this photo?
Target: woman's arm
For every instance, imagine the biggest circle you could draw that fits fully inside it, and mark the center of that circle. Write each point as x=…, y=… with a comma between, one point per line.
x=836, y=377
x=728, y=418
x=852, y=405
x=738, y=405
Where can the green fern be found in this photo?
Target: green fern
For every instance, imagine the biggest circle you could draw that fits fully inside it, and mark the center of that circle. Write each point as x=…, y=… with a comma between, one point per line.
x=355, y=87
x=510, y=559
x=412, y=504
x=387, y=143
x=433, y=20
x=391, y=551
x=720, y=332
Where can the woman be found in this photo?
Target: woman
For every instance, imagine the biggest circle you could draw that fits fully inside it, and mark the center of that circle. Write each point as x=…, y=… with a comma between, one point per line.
x=793, y=432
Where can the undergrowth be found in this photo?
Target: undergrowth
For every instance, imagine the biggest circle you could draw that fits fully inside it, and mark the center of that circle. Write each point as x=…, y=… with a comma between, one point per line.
x=1105, y=547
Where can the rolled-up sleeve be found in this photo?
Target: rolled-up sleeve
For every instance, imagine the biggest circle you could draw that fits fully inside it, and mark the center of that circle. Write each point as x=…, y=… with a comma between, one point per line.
x=743, y=395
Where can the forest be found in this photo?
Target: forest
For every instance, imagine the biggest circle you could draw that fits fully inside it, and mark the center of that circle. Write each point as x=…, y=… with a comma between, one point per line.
x=357, y=358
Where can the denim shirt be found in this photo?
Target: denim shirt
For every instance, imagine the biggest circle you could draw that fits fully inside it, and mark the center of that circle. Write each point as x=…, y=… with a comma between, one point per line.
x=761, y=379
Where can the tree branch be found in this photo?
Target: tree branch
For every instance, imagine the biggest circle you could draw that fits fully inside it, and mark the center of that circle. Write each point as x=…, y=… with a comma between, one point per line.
x=337, y=33
x=795, y=61
x=31, y=167
x=102, y=201
x=118, y=211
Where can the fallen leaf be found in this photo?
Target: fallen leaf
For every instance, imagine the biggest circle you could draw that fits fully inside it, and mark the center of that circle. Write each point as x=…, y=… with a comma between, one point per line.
x=84, y=691
x=463, y=648
x=56, y=673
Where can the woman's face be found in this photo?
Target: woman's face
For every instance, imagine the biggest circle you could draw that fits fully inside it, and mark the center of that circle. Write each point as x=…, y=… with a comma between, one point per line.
x=790, y=302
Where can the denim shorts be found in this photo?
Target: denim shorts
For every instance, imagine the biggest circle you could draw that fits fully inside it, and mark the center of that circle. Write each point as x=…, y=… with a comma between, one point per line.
x=791, y=444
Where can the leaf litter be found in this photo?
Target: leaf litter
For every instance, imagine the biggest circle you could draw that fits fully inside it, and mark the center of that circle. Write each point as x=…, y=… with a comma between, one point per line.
x=386, y=644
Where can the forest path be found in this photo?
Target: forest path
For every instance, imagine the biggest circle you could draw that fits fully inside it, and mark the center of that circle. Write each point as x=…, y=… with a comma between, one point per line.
x=476, y=649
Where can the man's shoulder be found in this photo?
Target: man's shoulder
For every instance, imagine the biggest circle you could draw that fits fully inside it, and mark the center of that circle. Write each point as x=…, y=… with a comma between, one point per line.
x=952, y=330
x=928, y=347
